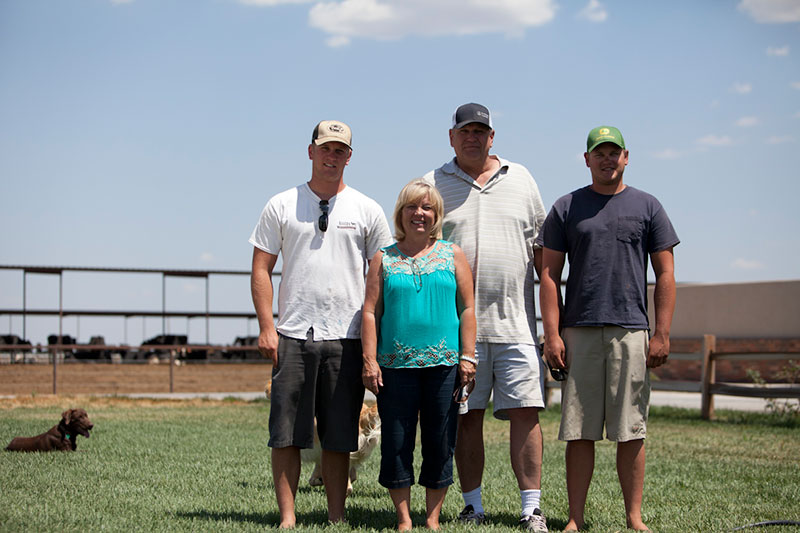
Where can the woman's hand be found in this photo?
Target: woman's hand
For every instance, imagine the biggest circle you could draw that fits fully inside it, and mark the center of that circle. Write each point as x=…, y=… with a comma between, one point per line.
x=466, y=372
x=371, y=376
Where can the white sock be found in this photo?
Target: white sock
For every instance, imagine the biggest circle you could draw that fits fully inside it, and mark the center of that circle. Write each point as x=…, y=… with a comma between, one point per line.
x=473, y=498
x=530, y=500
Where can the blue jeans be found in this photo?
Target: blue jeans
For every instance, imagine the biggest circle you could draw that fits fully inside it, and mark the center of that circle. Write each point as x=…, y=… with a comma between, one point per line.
x=408, y=395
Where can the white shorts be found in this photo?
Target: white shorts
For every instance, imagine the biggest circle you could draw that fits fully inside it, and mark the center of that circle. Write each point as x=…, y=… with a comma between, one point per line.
x=514, y=372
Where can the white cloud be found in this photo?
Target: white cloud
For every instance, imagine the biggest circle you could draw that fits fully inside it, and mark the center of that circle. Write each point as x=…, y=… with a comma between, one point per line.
x=776, y=139
x=393, y=19
x=780, y=52
x=667, y=153
x=594, y=12
x=771, y=11
x=714, y=140
x=746, y=122
x=741, y=263
x=795, y=85
x=742, y=88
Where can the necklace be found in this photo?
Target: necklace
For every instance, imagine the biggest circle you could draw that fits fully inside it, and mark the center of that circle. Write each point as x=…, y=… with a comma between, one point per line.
x=416, y=271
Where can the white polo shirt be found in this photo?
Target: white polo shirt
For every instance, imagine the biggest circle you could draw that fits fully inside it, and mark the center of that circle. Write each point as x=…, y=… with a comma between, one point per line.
x=498, y=227
x=322, y=277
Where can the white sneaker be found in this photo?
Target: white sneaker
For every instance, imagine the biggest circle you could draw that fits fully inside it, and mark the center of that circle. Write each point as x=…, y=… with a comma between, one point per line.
x=534, y=522
x=469, y=516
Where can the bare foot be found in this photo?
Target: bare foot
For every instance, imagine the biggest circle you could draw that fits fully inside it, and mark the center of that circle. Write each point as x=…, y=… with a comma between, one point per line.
x=432, y=525
x=404, y=526
x=572, y=526
x=636, y=524
x=287, y=524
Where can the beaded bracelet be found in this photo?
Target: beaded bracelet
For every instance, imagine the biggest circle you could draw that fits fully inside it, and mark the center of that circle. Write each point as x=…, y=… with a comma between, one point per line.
x=468, y=358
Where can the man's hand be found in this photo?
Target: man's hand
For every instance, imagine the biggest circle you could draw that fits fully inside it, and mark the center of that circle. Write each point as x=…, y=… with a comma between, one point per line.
x=658, y=352
x=555, y=353
x=268, y=345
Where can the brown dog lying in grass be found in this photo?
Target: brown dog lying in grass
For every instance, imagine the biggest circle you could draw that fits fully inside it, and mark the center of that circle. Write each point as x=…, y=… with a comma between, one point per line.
x=61, y=437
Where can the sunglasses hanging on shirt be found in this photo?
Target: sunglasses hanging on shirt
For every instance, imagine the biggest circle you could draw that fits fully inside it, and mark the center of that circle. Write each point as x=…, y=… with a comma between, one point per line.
x=323, y=218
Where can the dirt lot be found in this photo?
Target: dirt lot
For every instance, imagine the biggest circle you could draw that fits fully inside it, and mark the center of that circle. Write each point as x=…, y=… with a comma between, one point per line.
x=82, y=379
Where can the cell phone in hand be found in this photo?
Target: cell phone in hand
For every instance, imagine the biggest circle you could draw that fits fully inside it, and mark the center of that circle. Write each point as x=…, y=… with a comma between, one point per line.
x=559, y=374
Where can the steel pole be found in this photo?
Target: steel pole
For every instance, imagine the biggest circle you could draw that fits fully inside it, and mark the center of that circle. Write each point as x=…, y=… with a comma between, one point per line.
x=60, y=330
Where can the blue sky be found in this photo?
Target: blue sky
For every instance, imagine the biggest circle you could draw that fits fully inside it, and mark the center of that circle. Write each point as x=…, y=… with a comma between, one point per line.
x=150, y=133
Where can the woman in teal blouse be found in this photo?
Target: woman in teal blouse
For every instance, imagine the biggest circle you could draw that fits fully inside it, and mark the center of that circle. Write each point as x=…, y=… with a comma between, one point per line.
x=418, y=336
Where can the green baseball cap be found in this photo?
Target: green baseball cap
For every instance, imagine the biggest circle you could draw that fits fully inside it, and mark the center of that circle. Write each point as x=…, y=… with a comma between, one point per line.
x=604, y=134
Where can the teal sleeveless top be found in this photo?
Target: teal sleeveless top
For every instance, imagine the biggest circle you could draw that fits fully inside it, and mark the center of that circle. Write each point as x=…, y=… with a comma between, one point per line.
x=419, y=325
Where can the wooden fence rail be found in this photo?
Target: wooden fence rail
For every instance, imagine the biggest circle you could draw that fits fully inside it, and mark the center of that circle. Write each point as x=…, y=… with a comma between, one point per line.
x=749, y=350
x=709, y=350
x=57, y=353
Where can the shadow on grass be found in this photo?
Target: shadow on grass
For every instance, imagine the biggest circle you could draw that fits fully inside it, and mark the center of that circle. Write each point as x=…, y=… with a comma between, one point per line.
x=270, y=519
x=365, y=517
x=511, y=520
x=266, y=519
x=358, y=517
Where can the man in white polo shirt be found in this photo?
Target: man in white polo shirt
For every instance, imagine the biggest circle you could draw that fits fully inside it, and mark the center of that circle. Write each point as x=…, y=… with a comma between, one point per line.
x=327, y=232
x=493, y=210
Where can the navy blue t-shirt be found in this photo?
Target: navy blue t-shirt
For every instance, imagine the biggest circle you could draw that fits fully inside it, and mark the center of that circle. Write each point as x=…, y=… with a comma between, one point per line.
x=607, y=239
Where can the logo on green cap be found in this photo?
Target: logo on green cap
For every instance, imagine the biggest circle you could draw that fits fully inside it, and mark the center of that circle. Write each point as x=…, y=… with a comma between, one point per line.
x=604, y=134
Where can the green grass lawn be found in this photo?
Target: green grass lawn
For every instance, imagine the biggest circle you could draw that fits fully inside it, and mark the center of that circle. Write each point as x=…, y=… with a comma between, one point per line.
x=205, y=467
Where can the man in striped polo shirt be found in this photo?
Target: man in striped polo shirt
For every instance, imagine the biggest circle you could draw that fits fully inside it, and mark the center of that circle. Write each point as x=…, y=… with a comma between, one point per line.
x=493, y=211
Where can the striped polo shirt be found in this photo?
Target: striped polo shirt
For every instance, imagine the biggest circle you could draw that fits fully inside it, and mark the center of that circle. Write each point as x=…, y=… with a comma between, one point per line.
x=497, y=226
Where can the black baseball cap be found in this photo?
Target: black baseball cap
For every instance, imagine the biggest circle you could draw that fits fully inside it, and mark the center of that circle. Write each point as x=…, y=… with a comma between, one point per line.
x=469, y=113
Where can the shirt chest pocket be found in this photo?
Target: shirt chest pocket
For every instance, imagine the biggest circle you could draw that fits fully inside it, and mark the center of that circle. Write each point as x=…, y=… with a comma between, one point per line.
x=630, y=229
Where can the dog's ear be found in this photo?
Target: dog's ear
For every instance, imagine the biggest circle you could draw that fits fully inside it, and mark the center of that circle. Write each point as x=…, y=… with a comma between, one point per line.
x=66, y=415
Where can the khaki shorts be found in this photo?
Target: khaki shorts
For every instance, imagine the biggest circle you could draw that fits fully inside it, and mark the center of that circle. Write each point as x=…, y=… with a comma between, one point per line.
x=511, y=375
x=608, y=383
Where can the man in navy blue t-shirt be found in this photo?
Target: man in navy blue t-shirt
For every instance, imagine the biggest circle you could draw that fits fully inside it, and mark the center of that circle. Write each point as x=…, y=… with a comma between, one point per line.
x=600, y=334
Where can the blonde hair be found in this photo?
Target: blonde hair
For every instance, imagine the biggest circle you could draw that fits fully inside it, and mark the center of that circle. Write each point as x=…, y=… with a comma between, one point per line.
x=413, y=192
